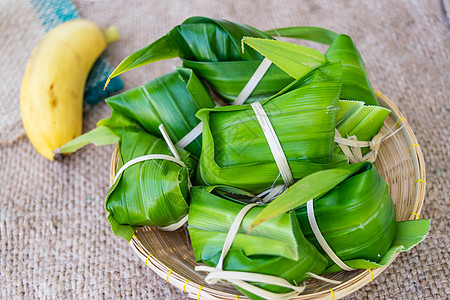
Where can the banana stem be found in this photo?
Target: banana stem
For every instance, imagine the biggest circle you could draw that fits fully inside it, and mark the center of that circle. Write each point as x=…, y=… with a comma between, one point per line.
x=111, y=34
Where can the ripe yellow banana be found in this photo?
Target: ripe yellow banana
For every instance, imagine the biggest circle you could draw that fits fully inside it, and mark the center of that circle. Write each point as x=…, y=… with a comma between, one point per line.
x=51, y=98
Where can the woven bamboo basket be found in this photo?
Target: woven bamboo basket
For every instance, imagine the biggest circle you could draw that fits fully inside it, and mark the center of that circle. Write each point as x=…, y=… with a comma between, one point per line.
x=400, y=162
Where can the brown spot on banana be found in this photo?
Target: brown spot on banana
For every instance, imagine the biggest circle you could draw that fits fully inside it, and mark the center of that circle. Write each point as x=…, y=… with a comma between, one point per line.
x=53, y=99
x=53, y=102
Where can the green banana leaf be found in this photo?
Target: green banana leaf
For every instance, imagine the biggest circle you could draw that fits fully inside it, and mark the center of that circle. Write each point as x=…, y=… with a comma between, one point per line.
x=236, y=153
x=228, y=78
x=359, y=120
x=152, y=192
x=315, y=34
x=108, y=132
x=363, y=121
x=354, y=213
x=212, y=48
x=355, y=81
x=197, y=38
x=353, y=118
x=310, y=187
x=294, y=59
x=99, y=136
x=356, y=218
x=276, y=248
x=347, y=108
x=408, y=234
x=171, y=100
x=222, y=39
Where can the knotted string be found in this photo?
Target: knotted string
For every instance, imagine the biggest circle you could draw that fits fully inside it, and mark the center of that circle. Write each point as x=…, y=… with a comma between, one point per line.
x=351, y=147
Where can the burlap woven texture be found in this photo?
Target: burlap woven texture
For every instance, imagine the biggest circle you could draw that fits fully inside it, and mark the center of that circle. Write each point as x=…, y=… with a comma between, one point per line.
x=55, y=241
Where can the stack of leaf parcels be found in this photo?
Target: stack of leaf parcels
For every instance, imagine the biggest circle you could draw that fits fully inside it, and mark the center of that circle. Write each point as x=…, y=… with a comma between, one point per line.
x=353, y=209
x=332, y=215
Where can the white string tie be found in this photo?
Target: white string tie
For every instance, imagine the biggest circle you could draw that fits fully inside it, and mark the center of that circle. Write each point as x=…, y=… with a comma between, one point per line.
x=274, y=143
x=351, y=147
x=253, y=82
x=241, y=279
x=240, y=99
x=323, y=243
x=191, y=136
x=144, y=158
x=175, y=158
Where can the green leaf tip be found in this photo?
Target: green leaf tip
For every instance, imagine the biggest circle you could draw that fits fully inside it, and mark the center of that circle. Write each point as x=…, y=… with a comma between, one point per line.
x=295, y=60
x=311, y=33
x=310, y=187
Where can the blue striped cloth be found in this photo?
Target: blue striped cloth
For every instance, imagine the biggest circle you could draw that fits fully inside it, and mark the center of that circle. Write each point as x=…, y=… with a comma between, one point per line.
x=54, y=12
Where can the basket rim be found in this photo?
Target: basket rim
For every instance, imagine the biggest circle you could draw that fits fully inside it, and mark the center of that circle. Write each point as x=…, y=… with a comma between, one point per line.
x=195, y=290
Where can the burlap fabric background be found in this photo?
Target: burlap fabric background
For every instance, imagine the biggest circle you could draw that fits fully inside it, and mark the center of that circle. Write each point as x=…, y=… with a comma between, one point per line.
x=55, y=241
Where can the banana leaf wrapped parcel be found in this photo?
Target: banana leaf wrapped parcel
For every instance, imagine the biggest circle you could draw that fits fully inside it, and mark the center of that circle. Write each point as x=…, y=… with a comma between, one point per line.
x=153, y=192
x=358, y=221
x=150, y=192
x=213, y=49
x=236, y=153
x=171, y=100
x=277, y=248
x=357, y=217
x=353, y=212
